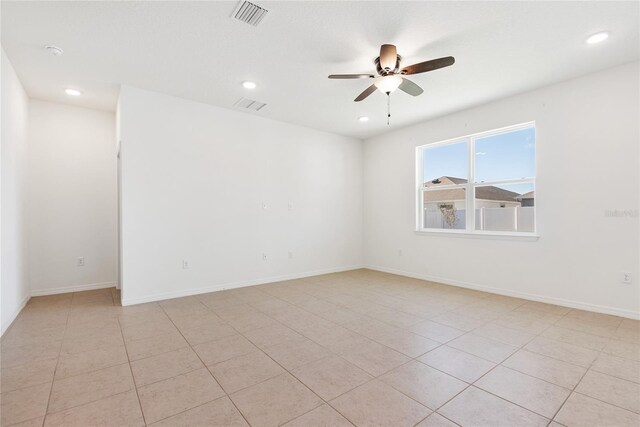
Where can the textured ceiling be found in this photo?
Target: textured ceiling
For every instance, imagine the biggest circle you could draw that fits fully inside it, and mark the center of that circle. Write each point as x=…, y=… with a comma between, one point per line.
x=195, y=50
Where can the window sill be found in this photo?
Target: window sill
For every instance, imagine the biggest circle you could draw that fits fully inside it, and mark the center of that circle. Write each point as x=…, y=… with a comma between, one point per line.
x=527, y=237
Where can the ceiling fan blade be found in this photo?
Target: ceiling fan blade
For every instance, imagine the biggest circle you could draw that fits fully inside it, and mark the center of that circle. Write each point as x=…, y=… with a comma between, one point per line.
x=351, y=76
x=410, y=87
x=425, y=66
x=388, y=56
x=368, y=91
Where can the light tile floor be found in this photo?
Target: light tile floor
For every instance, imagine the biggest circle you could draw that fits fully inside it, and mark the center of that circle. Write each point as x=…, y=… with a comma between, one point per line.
x=356, y=348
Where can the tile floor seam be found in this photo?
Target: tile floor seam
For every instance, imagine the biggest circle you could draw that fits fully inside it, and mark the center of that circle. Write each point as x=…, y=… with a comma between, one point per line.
x=323, y=346
x=300, y=416
x=398, y=351
x=516, y=404
x=133, y=378
x=415, y=359
x=531, y=376
x=377, y=378
x=187, y=410
x=30, y=385
x=164, y=379
x=338, y=411
x=208, y=370
x=577, y=345
x=475, y=355
x=604, y=373
x=485, y=374
x=240, y=389
x=66, y=326
x=156, y=354
x=92, y=371
x=573, y=390
x=440, y=370
x=449, y=419
x=555, y=358
x=86, y=403
x=286, y=371
x=433, y=412
x=541, y=354
x=297, y=379
x=608, y=403
x=334, y=354
x=25, y=421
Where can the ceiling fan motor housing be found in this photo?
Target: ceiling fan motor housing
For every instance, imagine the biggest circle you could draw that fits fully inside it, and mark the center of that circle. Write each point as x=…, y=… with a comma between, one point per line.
x=384, y=72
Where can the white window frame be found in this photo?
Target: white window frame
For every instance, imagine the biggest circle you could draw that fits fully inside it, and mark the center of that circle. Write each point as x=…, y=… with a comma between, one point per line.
x=470, y=187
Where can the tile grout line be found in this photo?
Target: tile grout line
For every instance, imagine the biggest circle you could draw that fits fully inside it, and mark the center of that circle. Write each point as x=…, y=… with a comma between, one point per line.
x=610, y=339
x=90, y=402
x=472, y=384
x=55, y=370
x=133, y=378
x=53, y=379
x=521, y=348
x=333, y=354
x=205, y=366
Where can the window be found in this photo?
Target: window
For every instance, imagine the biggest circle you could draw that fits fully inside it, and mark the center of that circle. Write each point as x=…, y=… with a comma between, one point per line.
x=482, y=183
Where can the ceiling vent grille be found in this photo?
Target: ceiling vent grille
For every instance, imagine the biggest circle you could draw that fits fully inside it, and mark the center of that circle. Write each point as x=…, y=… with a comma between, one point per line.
x=249, y=13
x=249, y=104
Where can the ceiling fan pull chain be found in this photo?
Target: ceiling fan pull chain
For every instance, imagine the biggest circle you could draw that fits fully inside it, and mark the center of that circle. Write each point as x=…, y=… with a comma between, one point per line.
x=388, y=108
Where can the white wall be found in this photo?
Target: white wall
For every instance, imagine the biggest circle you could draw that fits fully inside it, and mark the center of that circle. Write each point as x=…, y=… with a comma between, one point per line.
x=587, y=152
x=72, y=198
x=194, y=178
x=13, y=197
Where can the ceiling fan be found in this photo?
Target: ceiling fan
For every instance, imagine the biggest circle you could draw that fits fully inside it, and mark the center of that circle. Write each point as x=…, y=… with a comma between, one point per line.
x=391, y=76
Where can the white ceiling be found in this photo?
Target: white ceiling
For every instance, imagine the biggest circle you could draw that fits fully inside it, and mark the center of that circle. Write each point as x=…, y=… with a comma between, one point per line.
x=195, y=50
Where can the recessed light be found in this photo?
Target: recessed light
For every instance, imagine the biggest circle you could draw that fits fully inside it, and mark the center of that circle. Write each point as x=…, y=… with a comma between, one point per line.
x=249, y=85
x=54, y=50
x=72, y=92
x=598, y=37
x=363, y=119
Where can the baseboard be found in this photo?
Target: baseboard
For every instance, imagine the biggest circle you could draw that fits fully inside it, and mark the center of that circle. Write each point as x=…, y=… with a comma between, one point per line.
x=5, y=327
x=233, y=285
x=532, y=297
x=67, y=289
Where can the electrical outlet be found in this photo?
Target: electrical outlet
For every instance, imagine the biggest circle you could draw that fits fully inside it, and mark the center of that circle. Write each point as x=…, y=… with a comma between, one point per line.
x=264, y=256
x=80, y=261
x=185, y=264
x=400, y=253
x=626, y=278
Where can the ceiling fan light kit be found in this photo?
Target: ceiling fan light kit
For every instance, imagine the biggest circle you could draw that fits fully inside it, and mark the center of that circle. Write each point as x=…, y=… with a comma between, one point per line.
x=391, y=76
x=388, y=84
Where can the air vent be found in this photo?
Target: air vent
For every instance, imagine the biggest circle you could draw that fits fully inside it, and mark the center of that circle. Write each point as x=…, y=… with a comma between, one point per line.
x=249, y=13
x=249, y=104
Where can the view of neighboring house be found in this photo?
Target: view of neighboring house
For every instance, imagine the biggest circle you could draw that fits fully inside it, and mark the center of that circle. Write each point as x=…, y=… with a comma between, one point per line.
x=497, y=209
x=526, y=199
x=486, y=197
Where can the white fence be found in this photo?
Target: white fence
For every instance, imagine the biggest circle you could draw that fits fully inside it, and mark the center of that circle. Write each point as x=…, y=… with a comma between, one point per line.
x=516, y=219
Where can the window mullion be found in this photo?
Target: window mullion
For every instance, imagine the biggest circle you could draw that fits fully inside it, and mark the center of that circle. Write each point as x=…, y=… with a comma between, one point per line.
x=470, y=192
x=419, y=185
